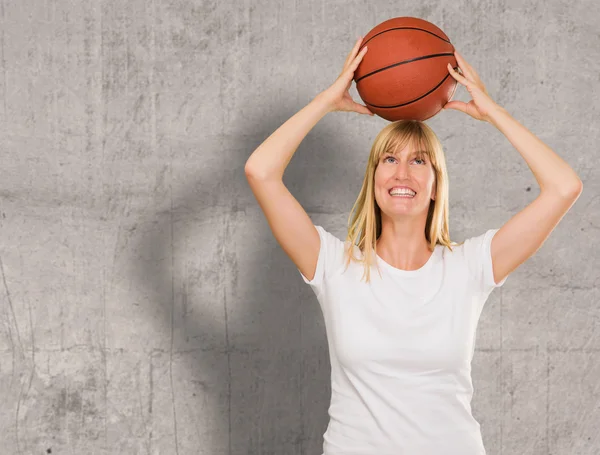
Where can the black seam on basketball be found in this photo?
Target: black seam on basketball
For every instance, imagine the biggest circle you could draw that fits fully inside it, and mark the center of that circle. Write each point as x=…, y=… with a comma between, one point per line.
x=413, y=101
x=405, y=28
x=404, y=62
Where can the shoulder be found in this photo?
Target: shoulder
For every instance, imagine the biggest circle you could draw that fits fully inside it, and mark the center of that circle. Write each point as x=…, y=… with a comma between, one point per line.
x=475, y=254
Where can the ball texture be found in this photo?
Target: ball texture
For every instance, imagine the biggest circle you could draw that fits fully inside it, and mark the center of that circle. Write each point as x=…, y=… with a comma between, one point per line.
x=404, y=74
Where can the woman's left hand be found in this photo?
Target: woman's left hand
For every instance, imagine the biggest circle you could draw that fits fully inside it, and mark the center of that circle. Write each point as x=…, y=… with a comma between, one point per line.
x=481, y=105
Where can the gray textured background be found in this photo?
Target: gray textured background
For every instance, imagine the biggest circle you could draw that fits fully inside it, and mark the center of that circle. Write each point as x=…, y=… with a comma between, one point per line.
x=146, y=307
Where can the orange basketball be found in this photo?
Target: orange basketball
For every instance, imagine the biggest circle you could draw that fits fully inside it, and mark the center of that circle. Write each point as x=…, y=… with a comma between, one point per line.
x=404, y=74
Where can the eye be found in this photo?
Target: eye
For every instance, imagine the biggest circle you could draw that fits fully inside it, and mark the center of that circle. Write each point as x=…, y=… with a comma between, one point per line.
x=390, y=156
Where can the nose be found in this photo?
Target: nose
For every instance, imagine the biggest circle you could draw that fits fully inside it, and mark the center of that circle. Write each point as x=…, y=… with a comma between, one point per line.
x=402, y=169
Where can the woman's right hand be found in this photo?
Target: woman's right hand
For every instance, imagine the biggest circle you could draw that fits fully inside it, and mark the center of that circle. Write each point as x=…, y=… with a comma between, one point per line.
x=338, y=95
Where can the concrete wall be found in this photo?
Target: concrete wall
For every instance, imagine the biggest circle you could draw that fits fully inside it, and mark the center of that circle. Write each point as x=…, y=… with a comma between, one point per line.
x=146, y=307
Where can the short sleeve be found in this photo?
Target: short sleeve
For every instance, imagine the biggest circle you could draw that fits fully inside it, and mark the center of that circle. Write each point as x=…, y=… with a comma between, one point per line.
x=478, y=255
x=330, y=259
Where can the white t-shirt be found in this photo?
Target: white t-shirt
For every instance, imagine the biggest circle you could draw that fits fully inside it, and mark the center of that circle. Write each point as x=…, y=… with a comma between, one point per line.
x=400, y=349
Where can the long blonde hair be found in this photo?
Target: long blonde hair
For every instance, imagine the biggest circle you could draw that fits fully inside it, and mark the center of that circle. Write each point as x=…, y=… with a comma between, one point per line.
x=365, y=227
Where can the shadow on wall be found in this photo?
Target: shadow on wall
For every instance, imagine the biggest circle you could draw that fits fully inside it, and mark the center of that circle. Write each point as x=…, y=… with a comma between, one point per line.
x=243, y=365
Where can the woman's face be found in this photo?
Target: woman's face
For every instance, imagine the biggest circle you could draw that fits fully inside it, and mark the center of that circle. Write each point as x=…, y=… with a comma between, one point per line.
x=405, y=168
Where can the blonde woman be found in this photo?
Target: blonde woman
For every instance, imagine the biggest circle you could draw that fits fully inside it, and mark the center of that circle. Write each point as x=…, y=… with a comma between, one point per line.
x=401, y=340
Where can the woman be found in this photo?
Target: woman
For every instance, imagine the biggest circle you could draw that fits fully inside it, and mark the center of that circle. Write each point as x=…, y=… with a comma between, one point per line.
x=401, y=341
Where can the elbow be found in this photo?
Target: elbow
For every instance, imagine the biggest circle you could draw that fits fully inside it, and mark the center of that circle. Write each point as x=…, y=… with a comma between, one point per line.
x=257, y=174
x=574, y=190
x=577, y=188
x=251, y=174
x=248, y=169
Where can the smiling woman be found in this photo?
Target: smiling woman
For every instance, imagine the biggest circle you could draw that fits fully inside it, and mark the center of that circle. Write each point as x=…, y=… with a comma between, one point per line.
x=407, y=335
x=403, y=230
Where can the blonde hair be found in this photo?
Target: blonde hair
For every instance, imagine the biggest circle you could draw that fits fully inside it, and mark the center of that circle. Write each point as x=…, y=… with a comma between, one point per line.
x=365, y=227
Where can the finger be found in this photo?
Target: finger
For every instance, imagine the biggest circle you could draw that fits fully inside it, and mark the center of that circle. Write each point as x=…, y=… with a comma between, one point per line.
x=456, y=105
x=463, y=63
x=467, y=69
x=348, y=71
x=463, y=70
x=463, y=80
x=353, y=52
x=358, y=58
x=361, y=108
x=470, y=72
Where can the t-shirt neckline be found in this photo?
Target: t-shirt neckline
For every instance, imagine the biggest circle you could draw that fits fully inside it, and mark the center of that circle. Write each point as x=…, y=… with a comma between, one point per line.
x=418, y=271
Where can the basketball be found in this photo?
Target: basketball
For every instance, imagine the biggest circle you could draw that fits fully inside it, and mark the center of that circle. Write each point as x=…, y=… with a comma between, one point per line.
x=404, y=74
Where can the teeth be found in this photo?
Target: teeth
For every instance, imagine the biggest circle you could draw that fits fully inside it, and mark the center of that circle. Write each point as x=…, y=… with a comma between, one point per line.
x=402, y=192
